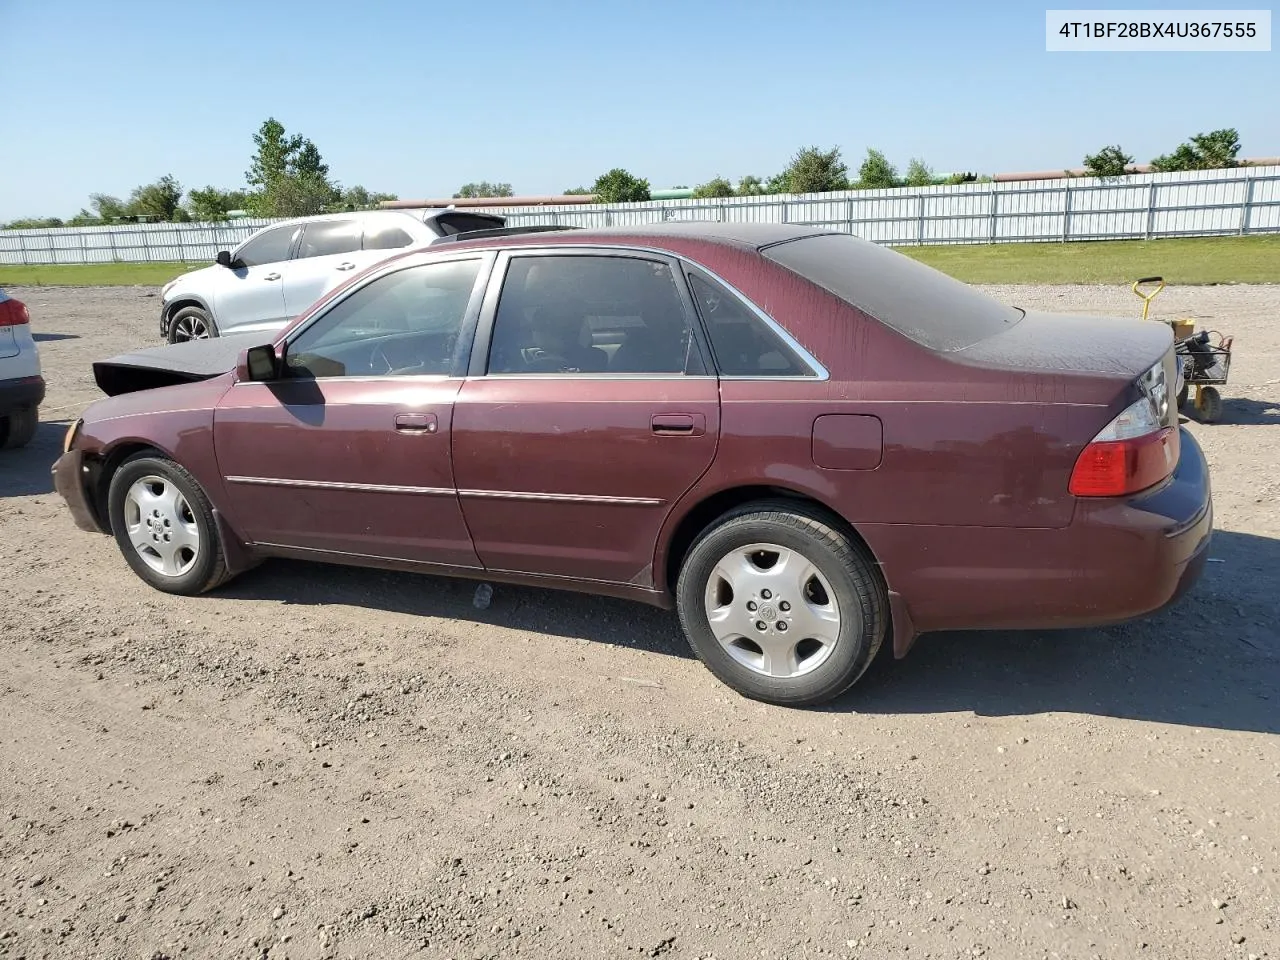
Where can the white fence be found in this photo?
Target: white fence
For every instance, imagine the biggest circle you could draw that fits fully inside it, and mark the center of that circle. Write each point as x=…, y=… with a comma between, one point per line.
x=1238, y=201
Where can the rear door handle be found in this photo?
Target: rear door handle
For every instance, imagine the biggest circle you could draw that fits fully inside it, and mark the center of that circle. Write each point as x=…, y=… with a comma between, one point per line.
x=417, y=422
x=346, y=266
x=678, y=424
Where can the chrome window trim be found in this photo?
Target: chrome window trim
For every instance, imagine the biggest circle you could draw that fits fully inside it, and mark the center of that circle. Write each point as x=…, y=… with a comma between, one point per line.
x=489, y=275
x=820, y=373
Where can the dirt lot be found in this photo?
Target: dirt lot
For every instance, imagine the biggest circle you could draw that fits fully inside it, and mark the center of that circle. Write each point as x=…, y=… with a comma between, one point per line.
x=316, y=762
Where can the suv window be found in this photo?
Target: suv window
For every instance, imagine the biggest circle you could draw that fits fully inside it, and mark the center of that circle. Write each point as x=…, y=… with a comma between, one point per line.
x=386, y=236
x=270, y=247
x=402, y=324
x=565, y=314
x=743, y=344
x=324, y=238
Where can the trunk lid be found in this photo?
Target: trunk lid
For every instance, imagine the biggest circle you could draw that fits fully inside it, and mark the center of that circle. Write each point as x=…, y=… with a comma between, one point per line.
x=1106, y=348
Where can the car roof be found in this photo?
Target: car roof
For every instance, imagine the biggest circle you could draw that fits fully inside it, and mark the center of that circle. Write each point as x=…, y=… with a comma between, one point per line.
x=755, y=236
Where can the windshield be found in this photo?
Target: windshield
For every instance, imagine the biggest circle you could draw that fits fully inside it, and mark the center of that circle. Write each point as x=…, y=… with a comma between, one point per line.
x=933, y=309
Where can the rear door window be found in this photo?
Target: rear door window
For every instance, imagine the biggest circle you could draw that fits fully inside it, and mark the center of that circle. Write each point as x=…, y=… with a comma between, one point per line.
x=575, y=314
x=325, y=238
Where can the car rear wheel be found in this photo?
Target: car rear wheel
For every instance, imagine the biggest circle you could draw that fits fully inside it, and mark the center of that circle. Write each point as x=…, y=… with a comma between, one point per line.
x=191, y=323
x=164, y=525
x=18, y=428
x=781, y=605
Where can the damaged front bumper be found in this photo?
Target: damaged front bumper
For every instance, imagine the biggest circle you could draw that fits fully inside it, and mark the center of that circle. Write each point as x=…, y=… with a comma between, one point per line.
x=70, y=478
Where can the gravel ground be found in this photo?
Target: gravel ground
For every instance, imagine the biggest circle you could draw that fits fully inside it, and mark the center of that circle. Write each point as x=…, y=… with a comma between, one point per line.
x=317, y=762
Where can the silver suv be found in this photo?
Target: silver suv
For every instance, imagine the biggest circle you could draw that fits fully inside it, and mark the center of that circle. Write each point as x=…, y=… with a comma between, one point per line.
x=284, y=268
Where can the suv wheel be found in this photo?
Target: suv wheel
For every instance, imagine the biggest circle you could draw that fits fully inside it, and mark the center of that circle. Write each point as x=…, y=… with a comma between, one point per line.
x=191, y=323
x=780, y=605
x=18, y=428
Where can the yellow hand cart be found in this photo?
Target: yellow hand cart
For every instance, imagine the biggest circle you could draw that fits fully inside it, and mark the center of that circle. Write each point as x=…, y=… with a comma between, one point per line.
x=1205, y=362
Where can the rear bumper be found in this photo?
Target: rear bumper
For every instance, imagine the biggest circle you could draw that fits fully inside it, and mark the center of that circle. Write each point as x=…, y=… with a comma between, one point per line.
x=69, y=479
x=20, y=393
x=1116, y=561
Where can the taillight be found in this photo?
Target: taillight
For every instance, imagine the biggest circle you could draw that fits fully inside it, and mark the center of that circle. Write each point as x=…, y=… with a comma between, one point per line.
x=13, y=313
x=1134, y=451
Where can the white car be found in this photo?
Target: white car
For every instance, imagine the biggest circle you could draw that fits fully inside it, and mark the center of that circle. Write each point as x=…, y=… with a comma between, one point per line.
x=21, y=383
x=284, y=268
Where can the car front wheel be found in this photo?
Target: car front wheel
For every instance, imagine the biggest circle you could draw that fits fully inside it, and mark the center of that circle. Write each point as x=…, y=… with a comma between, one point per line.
x=782, y=606
x=191, y=323
x=164, y=525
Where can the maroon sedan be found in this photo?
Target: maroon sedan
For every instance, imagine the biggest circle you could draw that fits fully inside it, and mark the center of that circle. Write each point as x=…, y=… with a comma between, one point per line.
x=803, y=442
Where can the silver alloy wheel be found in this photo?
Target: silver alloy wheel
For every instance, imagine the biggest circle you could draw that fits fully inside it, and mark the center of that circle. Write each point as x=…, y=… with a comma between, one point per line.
x=772, y=610
x=161, y=526
x=190, y=328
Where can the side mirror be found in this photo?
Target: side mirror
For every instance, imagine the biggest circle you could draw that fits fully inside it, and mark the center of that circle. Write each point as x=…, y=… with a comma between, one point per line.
x=224, y=258
x=258, y=364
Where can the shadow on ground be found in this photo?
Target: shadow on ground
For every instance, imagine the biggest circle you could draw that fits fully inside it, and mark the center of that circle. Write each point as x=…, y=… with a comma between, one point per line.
x=25, y=472
x=1243, y=410
x=1212, y=661
x=51, y=337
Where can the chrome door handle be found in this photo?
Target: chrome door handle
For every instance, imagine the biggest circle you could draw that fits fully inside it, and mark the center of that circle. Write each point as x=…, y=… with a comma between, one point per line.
x=416, y=422
x=678, y=424
x=272, y=276
x=346, y=266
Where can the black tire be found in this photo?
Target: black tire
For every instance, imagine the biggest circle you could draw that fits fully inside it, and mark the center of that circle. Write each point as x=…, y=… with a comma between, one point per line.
x=1209, y=405
x=19, y=427
x=1182, y=396
x=851, y=571
x=188, y=320
x=209, y=568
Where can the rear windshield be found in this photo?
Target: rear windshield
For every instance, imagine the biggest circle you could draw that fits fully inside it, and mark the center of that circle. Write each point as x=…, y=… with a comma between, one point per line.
x=933, y=309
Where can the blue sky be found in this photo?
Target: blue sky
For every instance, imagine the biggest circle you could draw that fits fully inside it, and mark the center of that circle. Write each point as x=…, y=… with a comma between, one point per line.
x=417, y=98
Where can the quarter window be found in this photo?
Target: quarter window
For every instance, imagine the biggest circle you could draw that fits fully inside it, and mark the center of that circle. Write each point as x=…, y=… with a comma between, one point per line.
x=401, y=324
x=324, y=238
x=270, y=247
x=743, y=344
x=591, y=314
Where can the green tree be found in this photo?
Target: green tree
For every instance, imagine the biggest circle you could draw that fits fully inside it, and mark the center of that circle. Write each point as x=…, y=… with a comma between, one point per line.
x=288, y=175
x=619, y=186
x=484, y=189
x=817, y=171
x=779, y=183
x=876, y=172
x=1107, y=163
x=578, y=192
x=715, y=187
x=159, y=201
x=359, y=198
x=1206, y=151
x=211, y=204
x=103, y=208
x=750, y=186
x=918, y=174
x=33, y=223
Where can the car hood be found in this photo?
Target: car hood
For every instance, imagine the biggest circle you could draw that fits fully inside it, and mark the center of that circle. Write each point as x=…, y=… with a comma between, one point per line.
x=163, y=366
